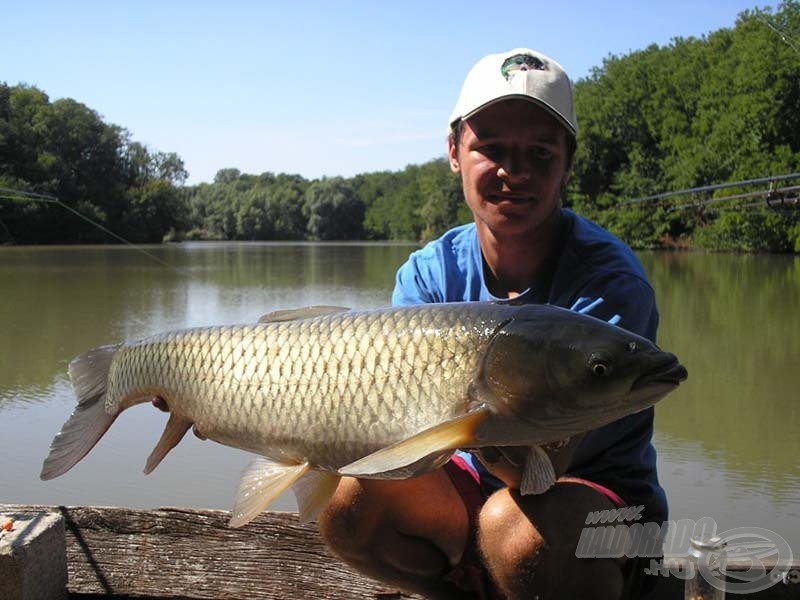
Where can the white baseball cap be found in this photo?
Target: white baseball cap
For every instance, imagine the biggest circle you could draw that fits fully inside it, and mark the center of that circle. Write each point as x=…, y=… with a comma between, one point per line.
x=518, y=73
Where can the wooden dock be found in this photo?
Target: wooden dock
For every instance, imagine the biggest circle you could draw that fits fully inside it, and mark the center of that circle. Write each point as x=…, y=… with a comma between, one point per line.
x=186, y=554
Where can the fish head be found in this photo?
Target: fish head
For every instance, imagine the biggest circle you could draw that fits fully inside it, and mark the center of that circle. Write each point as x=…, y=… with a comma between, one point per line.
x=570, y=373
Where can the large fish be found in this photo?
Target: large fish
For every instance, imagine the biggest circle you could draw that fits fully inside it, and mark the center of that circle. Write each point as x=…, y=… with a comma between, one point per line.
x=388, y=393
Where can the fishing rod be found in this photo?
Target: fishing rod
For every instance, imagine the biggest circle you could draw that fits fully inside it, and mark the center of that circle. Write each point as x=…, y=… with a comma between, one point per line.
x=711, y=188
x=784, y=199
x=774, y=198
x=23, y=196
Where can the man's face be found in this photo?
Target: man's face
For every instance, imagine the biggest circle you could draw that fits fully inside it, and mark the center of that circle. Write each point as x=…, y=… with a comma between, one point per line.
x=513, y=162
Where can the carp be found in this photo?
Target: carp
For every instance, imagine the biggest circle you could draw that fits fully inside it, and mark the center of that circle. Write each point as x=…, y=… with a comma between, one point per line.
x=324, y=392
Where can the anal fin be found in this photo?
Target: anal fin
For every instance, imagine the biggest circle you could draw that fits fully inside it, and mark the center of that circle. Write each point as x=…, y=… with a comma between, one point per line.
x=313, y=490
x=173, y=433
x=261, y=484
x=450, y=435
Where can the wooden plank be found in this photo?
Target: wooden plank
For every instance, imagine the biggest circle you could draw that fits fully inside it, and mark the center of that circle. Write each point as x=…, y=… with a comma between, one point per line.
x=189, y=554
x=671, y=587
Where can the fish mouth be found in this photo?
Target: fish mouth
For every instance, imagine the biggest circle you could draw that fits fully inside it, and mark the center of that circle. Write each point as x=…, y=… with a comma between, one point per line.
x=669, y=373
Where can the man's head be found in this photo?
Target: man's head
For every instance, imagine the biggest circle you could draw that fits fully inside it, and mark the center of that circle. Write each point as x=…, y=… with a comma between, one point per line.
x=512, y=140
x=519, y=73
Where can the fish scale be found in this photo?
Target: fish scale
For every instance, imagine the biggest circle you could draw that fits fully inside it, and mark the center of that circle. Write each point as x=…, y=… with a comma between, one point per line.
x=275, y=388
x=387, y=393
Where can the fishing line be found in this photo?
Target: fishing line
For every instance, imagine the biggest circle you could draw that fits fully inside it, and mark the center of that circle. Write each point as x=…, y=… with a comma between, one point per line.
x=780, y=33
x=13, y=241
x=20, y=196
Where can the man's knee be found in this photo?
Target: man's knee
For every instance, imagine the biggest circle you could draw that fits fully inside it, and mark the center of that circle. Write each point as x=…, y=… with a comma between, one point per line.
x=413, y=524
x=508, y=542
x=348, y=524
x=529, y=543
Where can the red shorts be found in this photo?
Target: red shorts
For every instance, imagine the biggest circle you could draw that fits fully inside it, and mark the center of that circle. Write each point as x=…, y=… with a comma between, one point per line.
x=470, y=574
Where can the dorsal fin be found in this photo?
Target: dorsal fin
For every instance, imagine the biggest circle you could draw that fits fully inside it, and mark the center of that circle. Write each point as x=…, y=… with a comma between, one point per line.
x=294, y=314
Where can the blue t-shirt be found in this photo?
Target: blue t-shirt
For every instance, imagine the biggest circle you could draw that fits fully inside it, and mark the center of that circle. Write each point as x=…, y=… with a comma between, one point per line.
x=595, y=273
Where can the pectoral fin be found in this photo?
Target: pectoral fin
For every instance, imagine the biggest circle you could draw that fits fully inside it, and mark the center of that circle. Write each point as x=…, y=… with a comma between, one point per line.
x=294, y=314
x=539, y=475
x=261, y=483
x=313, y=490
x=173, y=433
x=450, y=435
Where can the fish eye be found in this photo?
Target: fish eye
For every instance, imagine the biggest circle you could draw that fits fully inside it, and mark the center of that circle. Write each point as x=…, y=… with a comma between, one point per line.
x=600, y=364
x=600, y=369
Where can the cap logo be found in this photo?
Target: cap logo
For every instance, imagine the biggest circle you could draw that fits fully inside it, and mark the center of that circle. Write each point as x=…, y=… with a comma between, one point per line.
x=521, y=62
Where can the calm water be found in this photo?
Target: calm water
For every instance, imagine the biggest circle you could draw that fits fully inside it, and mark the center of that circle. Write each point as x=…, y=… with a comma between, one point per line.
x=727, y=440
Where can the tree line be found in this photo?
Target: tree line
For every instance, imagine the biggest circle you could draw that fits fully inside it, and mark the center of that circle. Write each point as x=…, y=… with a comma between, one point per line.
x=698, y=111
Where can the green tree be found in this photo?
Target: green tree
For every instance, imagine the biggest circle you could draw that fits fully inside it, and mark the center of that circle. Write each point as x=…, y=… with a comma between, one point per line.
x=64, y=149
x=152, y=210
x=696, y=112
x=225, y=176
x=334, y=211
x=442, y=196
x=286, y=206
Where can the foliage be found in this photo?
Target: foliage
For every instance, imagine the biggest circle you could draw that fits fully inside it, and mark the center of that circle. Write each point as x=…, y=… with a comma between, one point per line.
x=751, y=231
x=334, y=211
x=696, y=112
x=247, y=207
x=64, y=149
x=149, y=206
x=794, y=237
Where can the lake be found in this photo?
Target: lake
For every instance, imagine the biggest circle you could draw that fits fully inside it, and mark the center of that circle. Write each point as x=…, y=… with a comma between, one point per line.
x=727, y=439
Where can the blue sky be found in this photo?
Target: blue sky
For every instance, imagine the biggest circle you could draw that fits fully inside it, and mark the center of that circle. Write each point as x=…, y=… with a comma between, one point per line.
x=315, y=88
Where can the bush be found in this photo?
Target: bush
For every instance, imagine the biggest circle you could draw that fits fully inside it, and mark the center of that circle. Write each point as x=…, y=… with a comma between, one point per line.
x=748, y=231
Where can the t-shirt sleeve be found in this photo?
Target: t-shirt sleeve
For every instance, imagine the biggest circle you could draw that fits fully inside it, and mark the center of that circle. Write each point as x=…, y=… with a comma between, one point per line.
x=413, y=283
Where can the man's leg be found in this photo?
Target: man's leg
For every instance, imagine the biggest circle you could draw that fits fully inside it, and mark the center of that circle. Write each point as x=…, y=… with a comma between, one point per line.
x=528, y=544
x=411, y=533
x=408, y=533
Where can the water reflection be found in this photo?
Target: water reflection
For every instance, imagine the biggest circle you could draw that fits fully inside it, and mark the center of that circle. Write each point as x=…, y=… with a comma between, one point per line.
x=734, y=321
x=59, y=302
x=727, y=438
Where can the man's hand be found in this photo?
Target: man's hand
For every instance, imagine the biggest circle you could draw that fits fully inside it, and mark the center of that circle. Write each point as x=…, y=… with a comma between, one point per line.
x=504, y=462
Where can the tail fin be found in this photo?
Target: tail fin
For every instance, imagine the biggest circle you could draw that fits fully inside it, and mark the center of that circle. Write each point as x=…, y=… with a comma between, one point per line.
x=89, y=421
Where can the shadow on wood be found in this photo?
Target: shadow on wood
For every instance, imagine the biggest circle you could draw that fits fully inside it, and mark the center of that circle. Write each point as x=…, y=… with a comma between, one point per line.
x=188, y=554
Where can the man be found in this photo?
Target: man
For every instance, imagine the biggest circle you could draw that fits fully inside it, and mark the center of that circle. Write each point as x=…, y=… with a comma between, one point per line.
x=458, y=532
